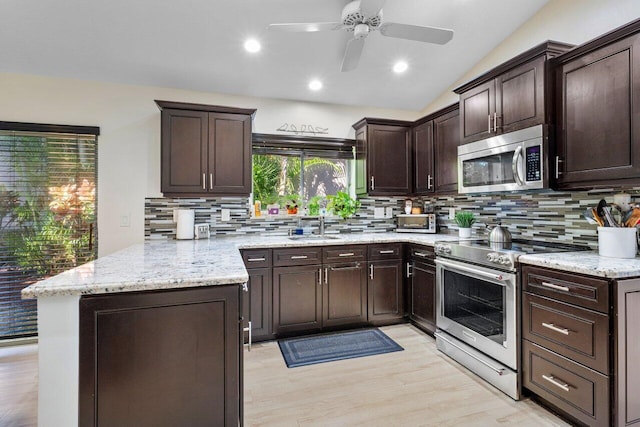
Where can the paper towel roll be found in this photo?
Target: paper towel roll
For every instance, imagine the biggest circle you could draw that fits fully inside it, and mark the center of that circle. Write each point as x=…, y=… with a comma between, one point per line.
x=185, y=218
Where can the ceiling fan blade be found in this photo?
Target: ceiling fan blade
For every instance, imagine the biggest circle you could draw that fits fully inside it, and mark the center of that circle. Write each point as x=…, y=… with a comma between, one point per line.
x=416, y=32
x=352, y=54
x=306, y=27
x=370, y=8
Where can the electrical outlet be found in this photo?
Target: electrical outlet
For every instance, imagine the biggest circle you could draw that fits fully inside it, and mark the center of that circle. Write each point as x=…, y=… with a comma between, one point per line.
x=125, y=220
x=452, y=213
x=389, y=212
x=225, y=214
x=378, y=213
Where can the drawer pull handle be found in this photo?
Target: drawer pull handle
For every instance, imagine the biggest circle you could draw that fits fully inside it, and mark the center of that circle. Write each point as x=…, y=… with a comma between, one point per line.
x=256, y=259
x=299, y=257
x=556, y=383
x=347, y=254
x=351, y=267
x=553, y=327
x=421, y=254
x=390, y=251
x=556, y=287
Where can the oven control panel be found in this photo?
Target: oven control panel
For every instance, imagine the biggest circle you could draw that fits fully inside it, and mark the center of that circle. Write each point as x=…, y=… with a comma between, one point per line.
x=498, y=258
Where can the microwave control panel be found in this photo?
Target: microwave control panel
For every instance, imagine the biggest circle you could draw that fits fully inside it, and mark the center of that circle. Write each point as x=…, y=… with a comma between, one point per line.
x=533, y=163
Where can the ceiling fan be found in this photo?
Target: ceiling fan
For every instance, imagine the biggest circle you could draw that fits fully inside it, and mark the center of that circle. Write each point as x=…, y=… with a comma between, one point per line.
x=362, y=17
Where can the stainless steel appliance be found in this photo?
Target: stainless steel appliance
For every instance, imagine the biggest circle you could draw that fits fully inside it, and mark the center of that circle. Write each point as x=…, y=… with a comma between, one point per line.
x=417, y=223
x=477, y=311
x=509, y=162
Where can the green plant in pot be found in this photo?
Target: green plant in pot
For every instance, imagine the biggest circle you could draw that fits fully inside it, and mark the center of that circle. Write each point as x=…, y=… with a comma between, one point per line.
x=465, y=221
x=343, y=205
x=313, y=206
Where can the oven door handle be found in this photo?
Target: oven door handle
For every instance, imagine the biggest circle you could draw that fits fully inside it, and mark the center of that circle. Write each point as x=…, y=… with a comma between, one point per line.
x=499, y=371
x=493, y=276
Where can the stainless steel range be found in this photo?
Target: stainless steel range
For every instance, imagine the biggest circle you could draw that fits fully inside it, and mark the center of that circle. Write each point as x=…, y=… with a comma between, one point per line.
x=478, y=300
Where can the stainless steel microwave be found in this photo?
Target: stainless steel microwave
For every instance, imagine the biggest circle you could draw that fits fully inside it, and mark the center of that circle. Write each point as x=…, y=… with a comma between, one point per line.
x=510, y=162
x=417, y=223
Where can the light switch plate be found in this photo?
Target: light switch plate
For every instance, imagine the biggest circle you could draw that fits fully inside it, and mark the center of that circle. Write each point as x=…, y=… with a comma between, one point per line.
x=125, y=220
x=201, y=231
x=389, y=212
x=378, y=213
x=452, y=213
x=225, y=215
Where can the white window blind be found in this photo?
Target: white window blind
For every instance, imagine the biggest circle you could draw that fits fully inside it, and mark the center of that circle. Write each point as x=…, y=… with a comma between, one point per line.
x=47, y=214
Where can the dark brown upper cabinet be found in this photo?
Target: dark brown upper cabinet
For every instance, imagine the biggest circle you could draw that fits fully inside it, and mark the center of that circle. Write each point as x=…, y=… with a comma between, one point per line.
x=514, y=95
x=598, y=115
x=435, y=152
x=383, y=157
x=206, y=149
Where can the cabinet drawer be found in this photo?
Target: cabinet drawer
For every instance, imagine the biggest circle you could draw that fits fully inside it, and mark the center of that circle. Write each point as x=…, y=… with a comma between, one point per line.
x=297, y=256
x=587, y=292
x=579, y=391
x=385, y=251
x=579, y=334
x=424, y=253
x=344, y=253
x=256, y=258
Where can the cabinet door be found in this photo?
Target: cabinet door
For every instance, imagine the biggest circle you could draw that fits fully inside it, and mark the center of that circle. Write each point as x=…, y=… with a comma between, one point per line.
x=344, y=294
x=257, y=303
x=229, y=154
x=447, y=139
x=627, y=353
x=520, y=96
x=184, y=151
x=297, y=299
x=423, y=154
x=422, y=288
x=161, y=358
x=477, y=107
x=362, y=181
x=600, y=116
x=389, y=158
x=385, y=293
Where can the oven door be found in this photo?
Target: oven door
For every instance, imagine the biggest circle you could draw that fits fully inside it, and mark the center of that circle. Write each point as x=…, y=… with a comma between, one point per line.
x=477, y=305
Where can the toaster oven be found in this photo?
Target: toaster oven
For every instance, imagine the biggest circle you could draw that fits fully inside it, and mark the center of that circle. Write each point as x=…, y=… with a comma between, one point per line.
x=420, y=223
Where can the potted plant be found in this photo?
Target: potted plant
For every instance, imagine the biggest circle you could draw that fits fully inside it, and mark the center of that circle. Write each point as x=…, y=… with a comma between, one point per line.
x=343, y=205
x=464, y=220
x=291, y=204
x=313, y=206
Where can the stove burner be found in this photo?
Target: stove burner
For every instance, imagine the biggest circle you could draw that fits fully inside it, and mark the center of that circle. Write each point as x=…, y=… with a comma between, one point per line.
x=500, y=255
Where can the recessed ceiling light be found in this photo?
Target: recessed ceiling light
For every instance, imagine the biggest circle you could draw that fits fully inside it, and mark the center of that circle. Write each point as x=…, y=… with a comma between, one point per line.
x=252, y=45
x=400, y=67
x=315, y=84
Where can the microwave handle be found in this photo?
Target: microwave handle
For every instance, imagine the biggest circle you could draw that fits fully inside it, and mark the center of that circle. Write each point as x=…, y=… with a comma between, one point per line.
x=514, y=165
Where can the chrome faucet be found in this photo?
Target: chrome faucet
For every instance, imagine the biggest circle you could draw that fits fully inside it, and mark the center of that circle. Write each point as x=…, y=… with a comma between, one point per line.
x=321, y=231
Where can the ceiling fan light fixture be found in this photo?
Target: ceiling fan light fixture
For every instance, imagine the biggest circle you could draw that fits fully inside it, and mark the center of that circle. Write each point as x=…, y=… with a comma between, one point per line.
x=315, y=85
x=252, y=46
x=400, y=67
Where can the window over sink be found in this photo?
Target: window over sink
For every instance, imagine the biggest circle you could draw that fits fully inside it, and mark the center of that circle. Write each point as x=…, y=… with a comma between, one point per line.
x=299, y=172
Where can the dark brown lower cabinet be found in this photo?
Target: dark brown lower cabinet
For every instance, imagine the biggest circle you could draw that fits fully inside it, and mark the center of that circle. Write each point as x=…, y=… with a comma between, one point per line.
x=385, y=292
x=297, y=299
x=627, y=353
x=161, y=358
x=422, y=294
x=344, y=294
x=257, y=304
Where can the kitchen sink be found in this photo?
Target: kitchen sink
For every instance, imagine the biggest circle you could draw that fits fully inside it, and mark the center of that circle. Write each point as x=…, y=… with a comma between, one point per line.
x=313, y=237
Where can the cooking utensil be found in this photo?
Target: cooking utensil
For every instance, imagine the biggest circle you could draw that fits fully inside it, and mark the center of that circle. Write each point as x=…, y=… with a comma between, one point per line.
x=589, y=217
x=633, y=219
x=499, y=234
x=597, y=217
x=608, y=218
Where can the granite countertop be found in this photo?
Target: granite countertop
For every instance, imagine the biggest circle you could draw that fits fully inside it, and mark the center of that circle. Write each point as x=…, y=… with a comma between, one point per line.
x=586, y=263
x=171, y=264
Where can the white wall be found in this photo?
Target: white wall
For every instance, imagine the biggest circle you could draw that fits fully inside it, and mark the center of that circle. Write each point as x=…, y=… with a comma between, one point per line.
x=129, y=144
x=569, y=21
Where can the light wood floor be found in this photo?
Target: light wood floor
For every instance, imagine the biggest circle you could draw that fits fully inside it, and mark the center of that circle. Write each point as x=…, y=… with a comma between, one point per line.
x=415, y=387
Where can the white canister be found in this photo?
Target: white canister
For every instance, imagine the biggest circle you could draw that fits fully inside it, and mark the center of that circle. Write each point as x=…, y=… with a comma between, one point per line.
x=617, y=242
x=185, y=220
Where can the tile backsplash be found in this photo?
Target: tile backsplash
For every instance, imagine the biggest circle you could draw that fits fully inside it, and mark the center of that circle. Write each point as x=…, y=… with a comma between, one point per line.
x=545, y=215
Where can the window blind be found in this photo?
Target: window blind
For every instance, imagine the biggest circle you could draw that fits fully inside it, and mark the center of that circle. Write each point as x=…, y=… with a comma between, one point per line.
x=47, y=215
